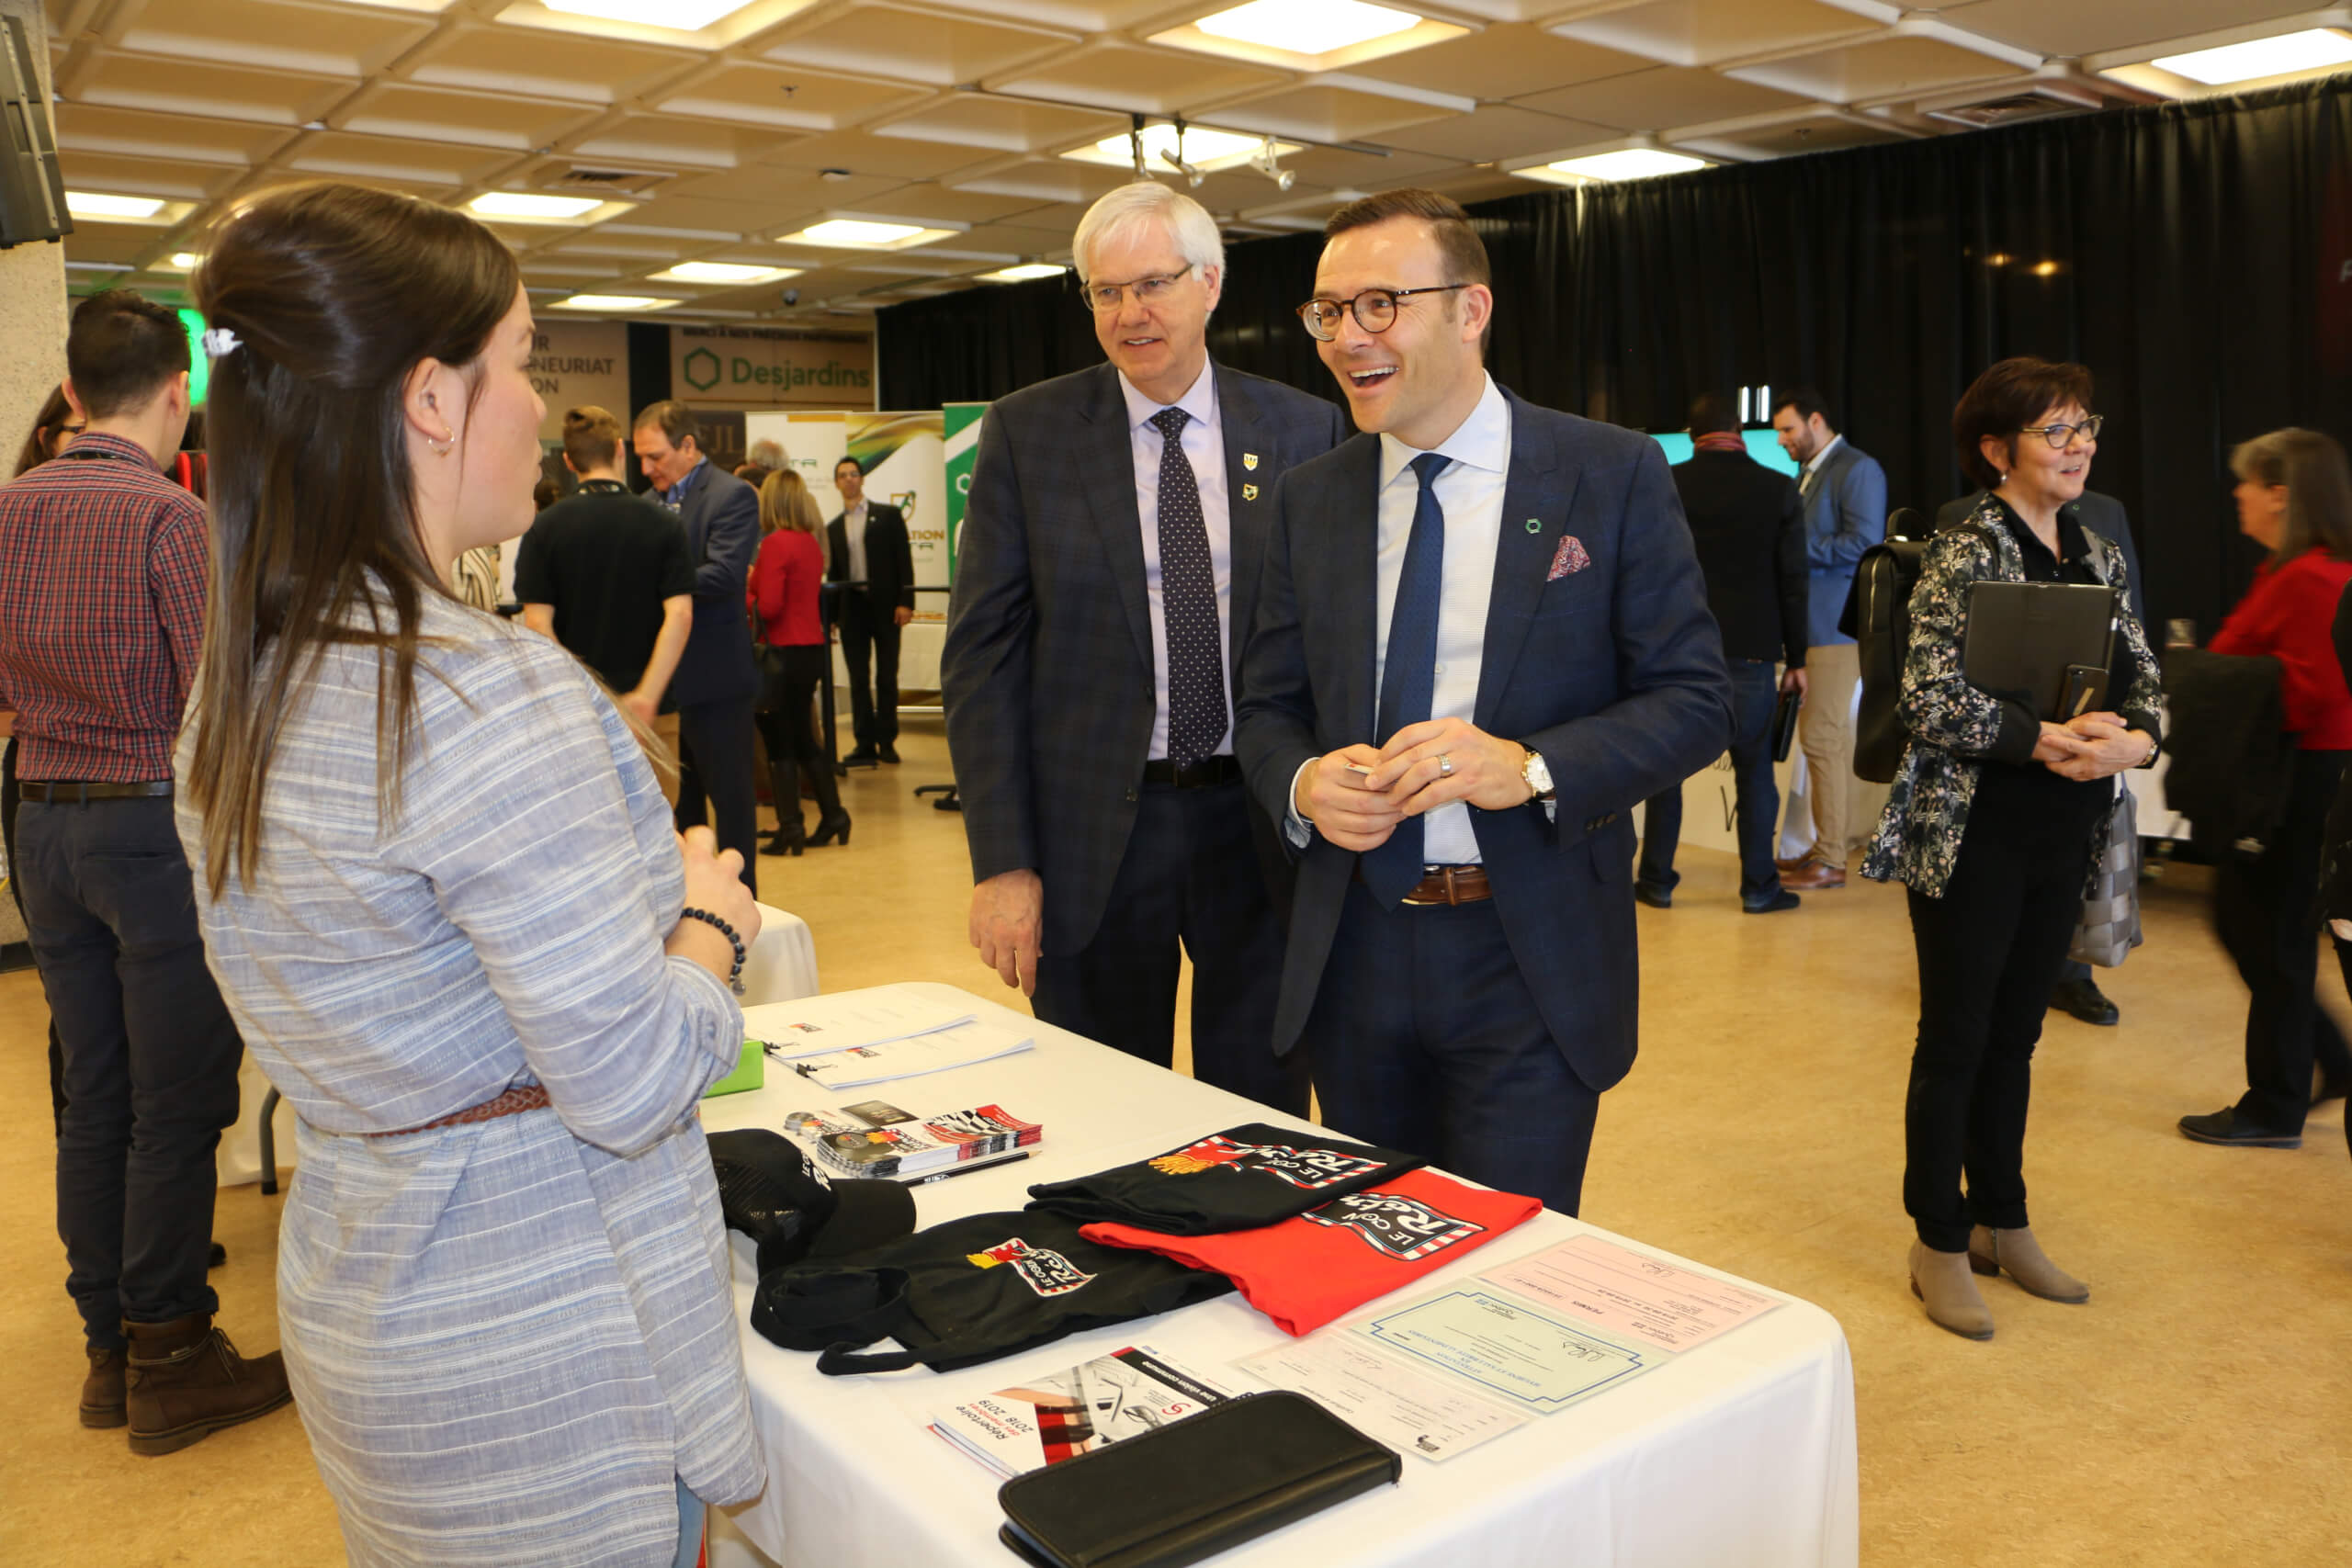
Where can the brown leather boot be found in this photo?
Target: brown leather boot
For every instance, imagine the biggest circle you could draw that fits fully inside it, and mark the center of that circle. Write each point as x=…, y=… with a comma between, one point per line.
x=187, y=1381
x=102, y=1399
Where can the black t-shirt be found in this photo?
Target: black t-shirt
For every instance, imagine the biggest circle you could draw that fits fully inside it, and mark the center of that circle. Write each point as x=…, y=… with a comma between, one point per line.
x=605, y=560
x=1237, y=1180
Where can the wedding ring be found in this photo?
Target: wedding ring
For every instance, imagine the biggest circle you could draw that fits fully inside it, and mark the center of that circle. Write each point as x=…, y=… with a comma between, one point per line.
x=1444, y=766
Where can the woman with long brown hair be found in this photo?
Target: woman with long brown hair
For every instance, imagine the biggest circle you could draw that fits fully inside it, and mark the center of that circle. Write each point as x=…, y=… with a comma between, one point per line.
x=440, y=890
x=783, y=591
x=2294, y=499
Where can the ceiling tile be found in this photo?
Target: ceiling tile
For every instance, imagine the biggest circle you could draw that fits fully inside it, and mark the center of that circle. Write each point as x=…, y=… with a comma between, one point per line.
x=2095, y=26
x=212, y=91
x=940, y=203
x=436, y=114
x=1077, y=15
x=321, y=39
x=1878, y=68
x=1335, y=167
x=1499, y=130
x=660, y=139
x=1502, y=63
x=1794, y=138
x=89, y=127
x=546, y=64
x=862, y=153
x=443, y=164
x=1320, y=112
x=1701, y=32
x=1043, y=180
x=782, y=190
x=789, y=95
x=1133, y=78
x=1007, y=125
x=1664, y=96
x=916, y=46
x=154, y=177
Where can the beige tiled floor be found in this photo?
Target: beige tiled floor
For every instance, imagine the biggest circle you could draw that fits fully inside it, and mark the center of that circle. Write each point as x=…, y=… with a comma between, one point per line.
x=2194, y=1412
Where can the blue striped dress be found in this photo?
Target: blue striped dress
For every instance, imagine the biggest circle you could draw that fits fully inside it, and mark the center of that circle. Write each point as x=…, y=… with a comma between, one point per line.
x=508, y=1338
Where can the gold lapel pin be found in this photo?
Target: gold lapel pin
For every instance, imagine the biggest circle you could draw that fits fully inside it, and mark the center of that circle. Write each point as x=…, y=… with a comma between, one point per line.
x=1249, y=460
x=1248, y=492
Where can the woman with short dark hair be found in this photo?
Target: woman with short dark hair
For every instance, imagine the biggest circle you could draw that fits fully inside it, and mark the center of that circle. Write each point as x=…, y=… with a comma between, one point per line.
x=2294, y=496
x=1995, y=824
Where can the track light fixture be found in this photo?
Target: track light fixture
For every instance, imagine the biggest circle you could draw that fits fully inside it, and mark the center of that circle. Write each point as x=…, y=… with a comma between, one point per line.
x=1264, y=162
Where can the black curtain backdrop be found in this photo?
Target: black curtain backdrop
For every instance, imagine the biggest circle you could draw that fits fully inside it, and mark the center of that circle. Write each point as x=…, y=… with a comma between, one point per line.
x=2197, y=256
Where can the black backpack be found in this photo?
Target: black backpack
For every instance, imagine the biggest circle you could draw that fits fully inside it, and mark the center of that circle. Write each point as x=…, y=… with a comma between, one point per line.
x=1878, y=617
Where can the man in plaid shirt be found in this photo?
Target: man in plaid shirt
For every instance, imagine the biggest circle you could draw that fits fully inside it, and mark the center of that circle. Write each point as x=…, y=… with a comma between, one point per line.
x=102, y=582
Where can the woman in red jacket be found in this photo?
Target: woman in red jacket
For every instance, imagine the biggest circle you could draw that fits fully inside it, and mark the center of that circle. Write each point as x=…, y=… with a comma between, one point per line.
x=2294, y=498
x=783, y=593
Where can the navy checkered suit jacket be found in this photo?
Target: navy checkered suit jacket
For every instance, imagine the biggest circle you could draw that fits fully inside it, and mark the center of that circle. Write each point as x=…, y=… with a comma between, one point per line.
x=1614, y=672
x=1048, y=669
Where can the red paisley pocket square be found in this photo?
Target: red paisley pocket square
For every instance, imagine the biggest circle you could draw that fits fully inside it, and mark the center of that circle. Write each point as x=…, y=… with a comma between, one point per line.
x=1569, y=558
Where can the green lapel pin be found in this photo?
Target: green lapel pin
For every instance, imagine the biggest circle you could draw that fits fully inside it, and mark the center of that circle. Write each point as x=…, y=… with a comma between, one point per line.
x=1533, y=526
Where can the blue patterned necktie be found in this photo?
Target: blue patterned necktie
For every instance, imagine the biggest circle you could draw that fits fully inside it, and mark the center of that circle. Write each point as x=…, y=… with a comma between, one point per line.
x=1408, y=675
x=1196, y=711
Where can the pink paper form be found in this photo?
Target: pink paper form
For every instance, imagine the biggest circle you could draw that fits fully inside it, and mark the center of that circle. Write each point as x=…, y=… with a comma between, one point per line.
x=1643, y=1298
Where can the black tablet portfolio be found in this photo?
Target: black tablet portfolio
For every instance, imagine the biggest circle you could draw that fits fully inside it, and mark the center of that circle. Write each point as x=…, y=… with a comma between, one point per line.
x=1784, y=724
x=2024, y=639
x=1194, y=1489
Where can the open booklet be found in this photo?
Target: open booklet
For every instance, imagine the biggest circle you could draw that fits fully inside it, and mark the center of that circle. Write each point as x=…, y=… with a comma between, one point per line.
x=876, y=1139
x=935, y=1051
x=1076, y=1410
x=810, y=1026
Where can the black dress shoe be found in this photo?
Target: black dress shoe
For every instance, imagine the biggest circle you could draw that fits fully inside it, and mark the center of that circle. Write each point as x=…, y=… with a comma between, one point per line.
x=2228, y=1128
x=888, y=754
x=2084, y=1000
x=1783, y=899
x=864, y=757
x=1653, y=897
x=215, y=1257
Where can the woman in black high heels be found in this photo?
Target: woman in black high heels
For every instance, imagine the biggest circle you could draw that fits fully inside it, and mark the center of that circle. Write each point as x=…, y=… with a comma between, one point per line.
x=793, y=659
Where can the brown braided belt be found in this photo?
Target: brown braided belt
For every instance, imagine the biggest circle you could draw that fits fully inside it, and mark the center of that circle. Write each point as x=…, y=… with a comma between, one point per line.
x=525, y=1097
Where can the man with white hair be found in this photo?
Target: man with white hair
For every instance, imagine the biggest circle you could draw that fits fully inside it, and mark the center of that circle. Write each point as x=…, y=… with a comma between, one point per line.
x=1106, y=573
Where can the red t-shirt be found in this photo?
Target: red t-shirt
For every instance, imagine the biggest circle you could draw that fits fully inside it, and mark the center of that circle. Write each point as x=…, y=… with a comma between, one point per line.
x=2289, y=613
x=1334, y=1257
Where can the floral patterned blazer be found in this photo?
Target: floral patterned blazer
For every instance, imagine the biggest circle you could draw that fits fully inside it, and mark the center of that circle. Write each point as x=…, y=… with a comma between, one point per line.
x=1955, y=729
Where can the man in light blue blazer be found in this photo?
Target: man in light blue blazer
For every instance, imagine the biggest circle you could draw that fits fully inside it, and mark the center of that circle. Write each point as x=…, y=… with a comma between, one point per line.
x=1845, y=514
x=1481, y=638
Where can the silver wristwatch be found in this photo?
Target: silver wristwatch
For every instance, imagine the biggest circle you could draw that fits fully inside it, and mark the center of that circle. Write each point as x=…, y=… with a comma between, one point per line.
x=1538, y=776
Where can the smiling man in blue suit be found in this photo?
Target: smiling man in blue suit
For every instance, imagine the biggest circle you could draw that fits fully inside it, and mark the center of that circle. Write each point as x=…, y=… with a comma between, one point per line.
x=1481, y=638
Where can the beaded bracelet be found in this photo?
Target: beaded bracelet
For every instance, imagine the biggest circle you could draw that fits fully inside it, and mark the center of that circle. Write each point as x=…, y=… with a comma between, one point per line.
x=734, y=975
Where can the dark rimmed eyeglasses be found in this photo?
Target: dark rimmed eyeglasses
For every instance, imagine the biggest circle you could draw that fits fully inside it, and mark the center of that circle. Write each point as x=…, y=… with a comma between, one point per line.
x=2060, y=434
x=1375, y=309
x=1146, y=290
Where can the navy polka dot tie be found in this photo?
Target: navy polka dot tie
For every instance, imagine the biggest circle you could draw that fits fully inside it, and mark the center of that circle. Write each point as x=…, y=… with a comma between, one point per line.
x=1196, y=712
x=1409, y=674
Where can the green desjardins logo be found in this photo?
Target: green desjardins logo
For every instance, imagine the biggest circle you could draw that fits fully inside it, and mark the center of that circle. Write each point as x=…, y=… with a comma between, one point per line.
x=701, y=368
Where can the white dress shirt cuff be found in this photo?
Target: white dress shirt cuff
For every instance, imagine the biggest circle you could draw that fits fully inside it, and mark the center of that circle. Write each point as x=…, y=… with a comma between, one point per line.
x=1301, y=831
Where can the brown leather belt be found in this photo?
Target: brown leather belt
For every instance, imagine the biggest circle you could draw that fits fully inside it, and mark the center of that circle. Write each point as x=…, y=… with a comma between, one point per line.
x=1447, y=884
x=527, y=1097
x=78, y=789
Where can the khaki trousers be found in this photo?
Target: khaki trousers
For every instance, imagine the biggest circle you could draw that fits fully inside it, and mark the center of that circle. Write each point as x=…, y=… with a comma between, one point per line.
x=1826, y=731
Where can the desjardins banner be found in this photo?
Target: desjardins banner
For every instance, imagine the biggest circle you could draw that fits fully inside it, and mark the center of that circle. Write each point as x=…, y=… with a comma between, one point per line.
x=772, y=367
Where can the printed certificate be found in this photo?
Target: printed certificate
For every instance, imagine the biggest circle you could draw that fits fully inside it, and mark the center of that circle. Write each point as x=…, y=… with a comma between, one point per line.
x=1382, y=1397
x=1510, y=1349
x=1631, y=1294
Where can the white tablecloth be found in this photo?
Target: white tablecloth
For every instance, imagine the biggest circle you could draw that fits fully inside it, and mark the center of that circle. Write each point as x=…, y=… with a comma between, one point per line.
x=920, y=647
x=1740, y=1452
x=781, y=965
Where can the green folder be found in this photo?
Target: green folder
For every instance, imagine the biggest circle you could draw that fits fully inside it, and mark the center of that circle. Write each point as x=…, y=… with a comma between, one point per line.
x=750, y=1072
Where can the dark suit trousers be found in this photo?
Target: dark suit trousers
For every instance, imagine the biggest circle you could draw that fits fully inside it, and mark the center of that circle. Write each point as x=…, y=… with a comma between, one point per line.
x=1190, y=875
x=715, y=741
x=2262, y=907
x=8, y=799
x=1757, y=798
x=867, y=626
x=151, y=1057
x=1425, y=1039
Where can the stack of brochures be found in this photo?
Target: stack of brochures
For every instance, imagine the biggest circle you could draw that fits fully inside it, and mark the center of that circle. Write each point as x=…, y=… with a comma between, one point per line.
x=1075, y=1410
x=874, y=1138
x=870, y=1037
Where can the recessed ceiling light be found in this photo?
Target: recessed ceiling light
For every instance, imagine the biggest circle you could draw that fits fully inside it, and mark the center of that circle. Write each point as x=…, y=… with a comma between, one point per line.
x=685, y=16
x=612, y=302
x=522, y=204
x=858, y=231
x=724, y=272
x=2314, y=48
x=1204, y=148
x=186, y=261
x=98, y=204
x=1631, y=164
x=1027, y=272
x=1308, y=26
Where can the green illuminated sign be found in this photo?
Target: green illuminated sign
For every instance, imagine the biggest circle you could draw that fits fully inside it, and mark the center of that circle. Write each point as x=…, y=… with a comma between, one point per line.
x=199, y=369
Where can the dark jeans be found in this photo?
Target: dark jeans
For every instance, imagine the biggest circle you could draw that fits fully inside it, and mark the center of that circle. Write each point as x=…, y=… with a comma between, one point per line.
x=871, y=628
x=791, y=734
x=2262, y=908
x=1425, y=1039
x=1989, y=950
x=151, y=1057
x=8, y=799
x=715, y=741
x=1190, y=874
x=1754, y=690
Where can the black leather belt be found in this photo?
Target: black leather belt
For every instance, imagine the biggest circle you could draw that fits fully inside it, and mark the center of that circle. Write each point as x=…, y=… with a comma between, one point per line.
x=79, y=790
x=1209, y=771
